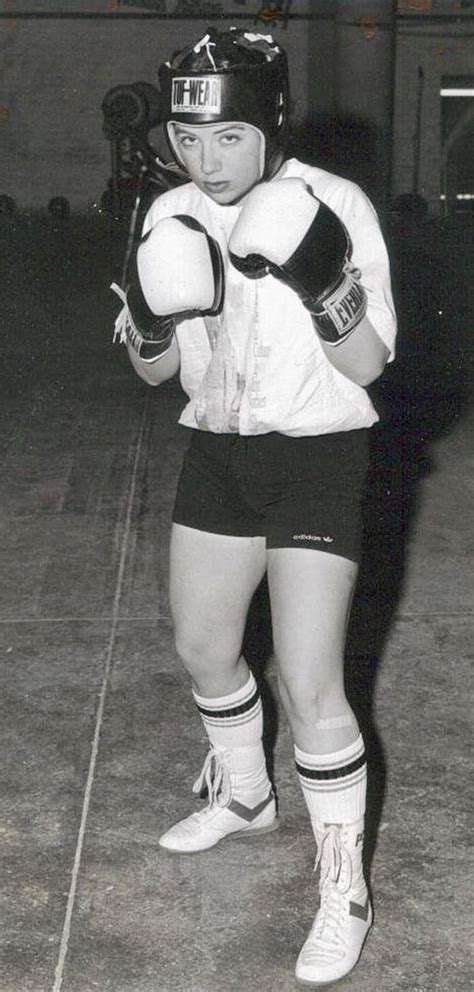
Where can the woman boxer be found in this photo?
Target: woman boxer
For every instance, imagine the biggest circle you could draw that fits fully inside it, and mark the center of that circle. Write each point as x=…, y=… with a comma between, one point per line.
x=266, y=282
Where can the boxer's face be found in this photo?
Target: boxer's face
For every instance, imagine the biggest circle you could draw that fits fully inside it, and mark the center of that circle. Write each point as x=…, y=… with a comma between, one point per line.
x=224, y=160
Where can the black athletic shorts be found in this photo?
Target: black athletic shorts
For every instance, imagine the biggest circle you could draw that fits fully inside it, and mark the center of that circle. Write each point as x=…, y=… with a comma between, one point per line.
x=303, y=492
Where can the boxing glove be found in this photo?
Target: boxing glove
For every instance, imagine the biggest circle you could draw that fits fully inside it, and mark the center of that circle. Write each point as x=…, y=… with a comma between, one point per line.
x=177, y=272
x=284, y=230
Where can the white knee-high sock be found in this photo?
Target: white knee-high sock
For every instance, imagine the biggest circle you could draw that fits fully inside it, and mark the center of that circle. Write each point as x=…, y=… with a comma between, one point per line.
x=334, y=785
x=234, y=723
x=235, y=720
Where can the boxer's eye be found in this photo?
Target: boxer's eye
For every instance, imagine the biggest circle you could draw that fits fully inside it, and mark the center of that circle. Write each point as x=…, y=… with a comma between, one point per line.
x=230, y=139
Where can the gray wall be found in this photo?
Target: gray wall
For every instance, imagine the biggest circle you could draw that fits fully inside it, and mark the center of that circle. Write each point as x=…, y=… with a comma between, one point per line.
x=424, y=54
x=55, y=73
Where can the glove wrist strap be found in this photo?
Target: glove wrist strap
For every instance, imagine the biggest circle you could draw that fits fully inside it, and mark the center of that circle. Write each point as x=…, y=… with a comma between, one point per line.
x=159, y=333
x=337, y=312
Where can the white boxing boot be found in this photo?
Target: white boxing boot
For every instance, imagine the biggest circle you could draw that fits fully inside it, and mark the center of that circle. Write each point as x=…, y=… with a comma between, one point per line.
x=344, y=917
x=241, y=802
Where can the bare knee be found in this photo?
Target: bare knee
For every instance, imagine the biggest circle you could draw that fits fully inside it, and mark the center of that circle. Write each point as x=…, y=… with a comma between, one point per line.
x=311, y=699
x=211, y=660
x=319, y=713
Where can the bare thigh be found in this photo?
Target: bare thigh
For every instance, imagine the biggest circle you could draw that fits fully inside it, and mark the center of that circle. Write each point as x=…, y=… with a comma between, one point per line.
x=212, y=580
x=311, y=595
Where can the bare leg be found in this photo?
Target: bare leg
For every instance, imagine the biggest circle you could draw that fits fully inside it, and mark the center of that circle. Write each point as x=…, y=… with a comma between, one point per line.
x=311, y=594
x=212, y=580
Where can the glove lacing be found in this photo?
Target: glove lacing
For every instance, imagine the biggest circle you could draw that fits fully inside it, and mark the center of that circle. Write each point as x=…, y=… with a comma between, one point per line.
x=215, y=776
x=123, y=319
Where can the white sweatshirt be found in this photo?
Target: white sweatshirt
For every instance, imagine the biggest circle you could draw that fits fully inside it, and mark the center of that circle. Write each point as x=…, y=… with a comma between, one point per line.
x=259, y=366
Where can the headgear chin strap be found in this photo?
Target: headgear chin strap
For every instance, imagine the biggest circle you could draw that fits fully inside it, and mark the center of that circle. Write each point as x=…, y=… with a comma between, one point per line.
x=230, y=76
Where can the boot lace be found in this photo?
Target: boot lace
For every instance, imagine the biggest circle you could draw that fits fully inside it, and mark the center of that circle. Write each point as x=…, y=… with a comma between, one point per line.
x=215, y=776
x=326, y=940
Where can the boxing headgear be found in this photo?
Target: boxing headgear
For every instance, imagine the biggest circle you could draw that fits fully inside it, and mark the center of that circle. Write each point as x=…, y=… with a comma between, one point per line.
x=231, y=75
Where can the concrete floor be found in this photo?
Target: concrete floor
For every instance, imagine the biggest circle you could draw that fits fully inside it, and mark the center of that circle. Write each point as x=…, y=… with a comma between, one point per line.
x=101, y=740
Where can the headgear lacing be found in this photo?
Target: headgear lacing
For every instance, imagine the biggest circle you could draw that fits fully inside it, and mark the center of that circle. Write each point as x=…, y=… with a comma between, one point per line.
x=206, y=43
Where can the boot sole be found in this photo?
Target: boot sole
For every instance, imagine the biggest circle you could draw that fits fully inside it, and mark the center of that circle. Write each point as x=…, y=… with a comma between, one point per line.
x=333, y=981
x=250, y=833
x=241, y=834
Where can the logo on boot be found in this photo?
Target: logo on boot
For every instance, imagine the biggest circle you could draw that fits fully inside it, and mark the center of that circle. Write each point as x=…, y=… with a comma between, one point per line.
x=361, y=912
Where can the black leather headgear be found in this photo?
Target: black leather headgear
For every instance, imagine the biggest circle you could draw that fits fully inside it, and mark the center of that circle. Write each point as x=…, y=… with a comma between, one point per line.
x=231, y=75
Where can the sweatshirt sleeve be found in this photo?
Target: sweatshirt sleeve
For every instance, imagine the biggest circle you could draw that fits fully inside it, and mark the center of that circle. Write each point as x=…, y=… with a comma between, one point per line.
x=370, y=256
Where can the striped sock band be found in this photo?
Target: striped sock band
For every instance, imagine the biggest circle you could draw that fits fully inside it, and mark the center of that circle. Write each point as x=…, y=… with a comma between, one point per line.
x=235, y=720
x=334, y=785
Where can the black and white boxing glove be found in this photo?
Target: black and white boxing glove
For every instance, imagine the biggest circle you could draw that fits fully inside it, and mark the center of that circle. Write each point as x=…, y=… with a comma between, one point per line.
x=284, y=230
x=177, y=272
